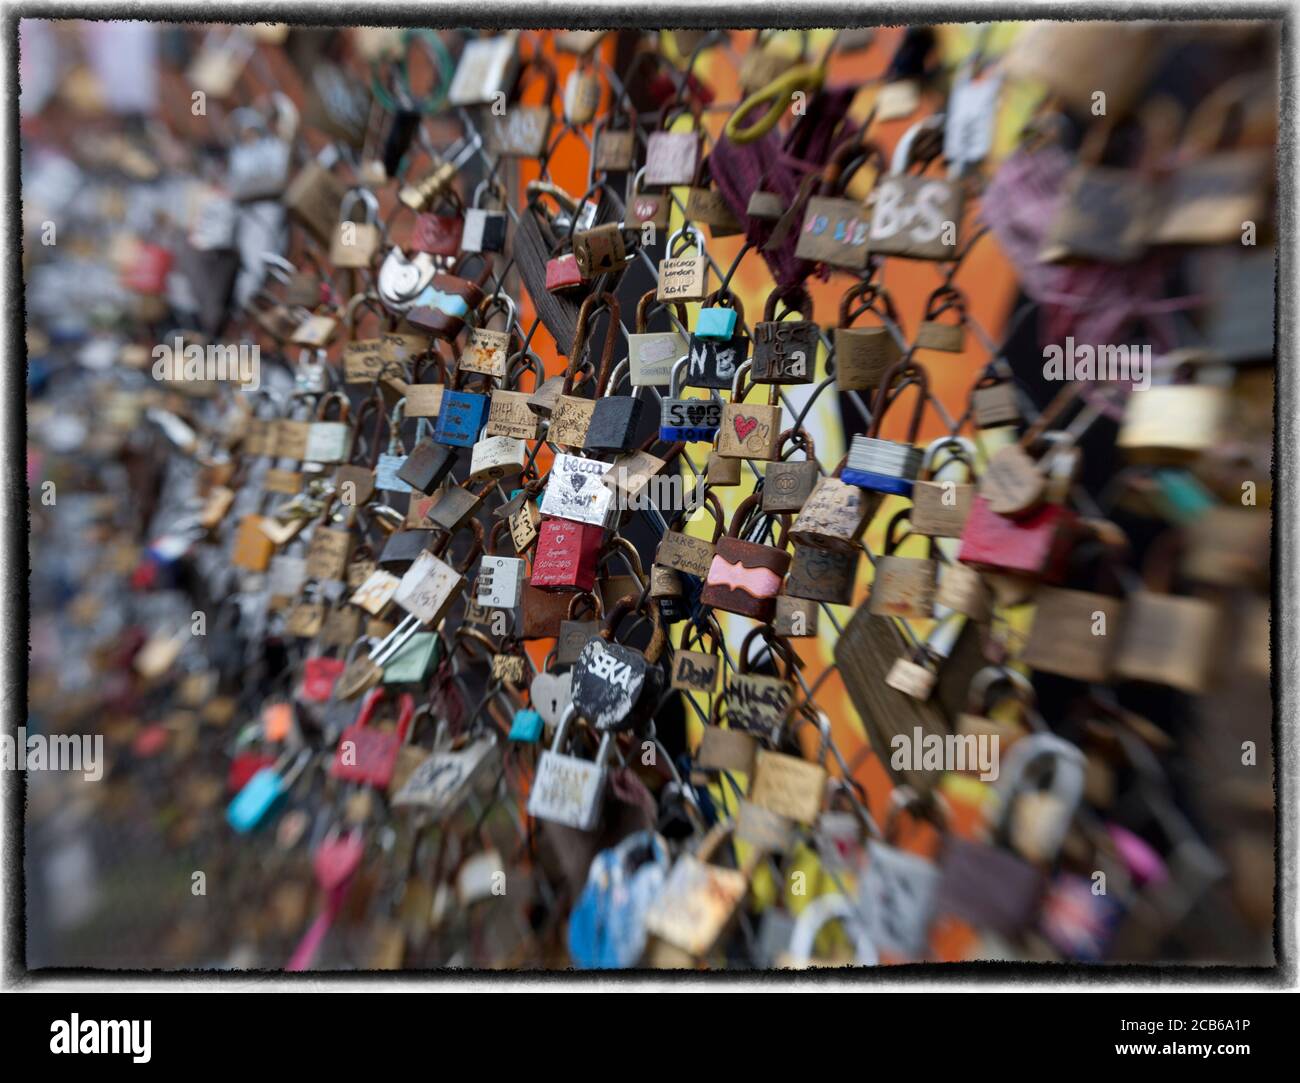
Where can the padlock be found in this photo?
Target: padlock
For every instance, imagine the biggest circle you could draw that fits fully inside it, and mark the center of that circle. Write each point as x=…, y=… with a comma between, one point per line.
x=835, y=229
x=993, y=401
x=497, y=457
x=1074, y=632
x=329, y=548
x=683, y=278
x=888, y=466
x=940, y=508
x=604, y=249
x=648, y=212
x=1105, y=213
x=454, y=506
x=403, y=279
x=571, y=415
x=265, y=790
x=390, y=461
x=1215, y=188
x=427, y=466
x=863, y=355
x=439, y=231
x=686, y=553
x=903, y=586
x=614, y=149
x=750, y=432
x=1033, y=546
x=897, y=893
x=745, y=577
x=330, y=441
x=788, y=485
x=484, y=230
x=443, y=781
x=314, y=197
x=355, y=244
x=785, y=351
x=259, y=158
x=615, y=687
x=443, y=306
x=367, y=754
x=575, y=633
x=1167, y=639
x=699, y=900
x=616, y=419
x=716, y=360
x=566, y=555
x=500, y=581
x=566, y=789
x=461, y=414
x=916, y=217
x=574, y=491
x=834, y=515
x=1172, y=423
x=932, y=333
x=523, y=131
x=651, y=354
x=1037, y=820
x=672, y=158
x=487, y=351
x=687, y=420
x=487, y=67
x=1013, y=483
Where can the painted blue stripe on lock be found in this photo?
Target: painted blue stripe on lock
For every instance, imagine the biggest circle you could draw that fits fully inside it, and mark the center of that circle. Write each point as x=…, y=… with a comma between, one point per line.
x=449, y=303
x=880, y=483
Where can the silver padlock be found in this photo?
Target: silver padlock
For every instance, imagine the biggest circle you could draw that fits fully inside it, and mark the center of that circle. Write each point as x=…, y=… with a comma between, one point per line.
x=890, y=466
x=484, y=230
x=500, y=582
x=568, y=790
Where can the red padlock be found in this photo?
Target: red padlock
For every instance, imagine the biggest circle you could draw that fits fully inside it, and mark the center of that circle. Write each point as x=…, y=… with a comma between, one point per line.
x=562, y=273
x=566, y=555
x=244, y=766
x=1035, y=546
x=438, y=234
x=150, y=266
x=318, y=677
x=368, y=754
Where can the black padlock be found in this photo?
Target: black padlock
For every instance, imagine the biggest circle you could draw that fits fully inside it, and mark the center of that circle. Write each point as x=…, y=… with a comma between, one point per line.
x=427, y=466
x=785, y=351
x=402, y=548
x=615, y=420
x=713, y=359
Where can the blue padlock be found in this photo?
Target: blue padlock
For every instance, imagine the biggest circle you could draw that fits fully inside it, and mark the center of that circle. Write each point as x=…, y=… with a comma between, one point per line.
x=263, y=792
x=526, y=727
x=461, y=418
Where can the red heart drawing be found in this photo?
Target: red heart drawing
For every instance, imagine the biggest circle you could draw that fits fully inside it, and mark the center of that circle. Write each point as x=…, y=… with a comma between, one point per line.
x=744, y=426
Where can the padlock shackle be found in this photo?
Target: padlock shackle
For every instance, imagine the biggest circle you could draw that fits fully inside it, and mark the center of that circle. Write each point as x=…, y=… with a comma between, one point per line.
x=795, y=298
x=906, y=371
x=585, y=313
x=649, y=300
x=629, y=603
x=777, y=646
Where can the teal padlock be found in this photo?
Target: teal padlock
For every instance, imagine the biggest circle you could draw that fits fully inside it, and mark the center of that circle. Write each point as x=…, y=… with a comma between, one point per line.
x=526, y=727
x=264, y=791
x=716, y=322
x=413, y=660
